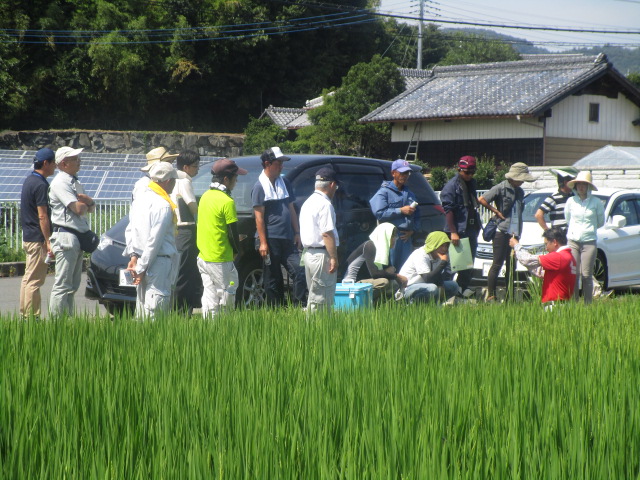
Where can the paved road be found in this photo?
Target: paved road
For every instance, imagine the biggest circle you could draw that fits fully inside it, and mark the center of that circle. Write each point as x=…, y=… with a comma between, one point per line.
x=10, y=297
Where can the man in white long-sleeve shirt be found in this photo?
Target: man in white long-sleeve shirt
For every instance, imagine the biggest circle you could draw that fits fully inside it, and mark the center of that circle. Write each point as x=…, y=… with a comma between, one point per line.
x=151, y=243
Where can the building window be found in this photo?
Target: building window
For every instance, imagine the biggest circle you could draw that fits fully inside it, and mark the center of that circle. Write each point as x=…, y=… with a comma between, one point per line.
x=594, y=112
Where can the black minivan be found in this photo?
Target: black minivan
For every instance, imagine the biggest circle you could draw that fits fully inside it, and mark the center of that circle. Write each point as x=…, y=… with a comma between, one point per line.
x=360, y=178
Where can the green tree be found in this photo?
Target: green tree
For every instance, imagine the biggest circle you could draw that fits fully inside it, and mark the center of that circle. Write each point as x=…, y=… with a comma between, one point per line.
x=466, y=49
x=262, y=133
x=634, y=77
x=335, y=126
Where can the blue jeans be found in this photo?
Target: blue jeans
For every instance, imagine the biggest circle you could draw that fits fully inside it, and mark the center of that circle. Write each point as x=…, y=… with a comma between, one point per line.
x=283, y=253
x=424, y=292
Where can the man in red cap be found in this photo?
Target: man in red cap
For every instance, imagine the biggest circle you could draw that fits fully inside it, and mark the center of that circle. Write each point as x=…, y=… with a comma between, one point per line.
x=460, y=202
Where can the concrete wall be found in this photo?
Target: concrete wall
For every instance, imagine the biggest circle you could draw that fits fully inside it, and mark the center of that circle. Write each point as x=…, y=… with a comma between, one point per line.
x=602, y=177
x=212, y=144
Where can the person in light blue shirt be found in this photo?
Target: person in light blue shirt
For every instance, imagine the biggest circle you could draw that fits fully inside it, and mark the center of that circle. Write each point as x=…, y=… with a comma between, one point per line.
x=396, y=204
x=584, y=214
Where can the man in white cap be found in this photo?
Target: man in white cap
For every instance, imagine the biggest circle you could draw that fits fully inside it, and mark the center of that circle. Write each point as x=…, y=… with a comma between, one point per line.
x=154, y=156
x=277, y=229
x=151, y=239
x=159, y=154
x=69, y=207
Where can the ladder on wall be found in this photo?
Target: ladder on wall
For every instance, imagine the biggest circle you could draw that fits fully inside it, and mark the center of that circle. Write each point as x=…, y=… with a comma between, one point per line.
x=412, y=149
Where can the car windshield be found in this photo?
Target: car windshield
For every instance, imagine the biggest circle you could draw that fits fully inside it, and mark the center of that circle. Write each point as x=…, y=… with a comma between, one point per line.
x=533, y=200
x=241, y=192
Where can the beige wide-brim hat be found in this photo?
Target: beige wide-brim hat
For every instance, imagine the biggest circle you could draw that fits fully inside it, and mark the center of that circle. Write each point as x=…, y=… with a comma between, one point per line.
x=159, y=154
x=519, y=172
x=584, y=177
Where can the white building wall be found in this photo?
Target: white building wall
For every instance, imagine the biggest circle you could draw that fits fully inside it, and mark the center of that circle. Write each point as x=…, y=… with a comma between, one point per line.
x=474, y=129
x=570, y=119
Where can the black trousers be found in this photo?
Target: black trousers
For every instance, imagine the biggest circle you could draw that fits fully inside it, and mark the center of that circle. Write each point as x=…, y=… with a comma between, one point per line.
x=501, y=253
x=283, y=254
x=188, y=292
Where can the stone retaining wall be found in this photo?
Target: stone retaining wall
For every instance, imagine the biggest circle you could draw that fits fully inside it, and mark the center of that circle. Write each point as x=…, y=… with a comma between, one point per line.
x=211, y=144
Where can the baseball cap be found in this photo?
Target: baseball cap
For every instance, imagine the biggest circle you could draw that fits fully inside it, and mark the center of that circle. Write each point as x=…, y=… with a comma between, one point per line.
x=401, y=166
x=467, y=163
x=66, y=152
x=326, y=174
x=224, y=166
x=272, y=154
x=162, y=171
x=44, y=155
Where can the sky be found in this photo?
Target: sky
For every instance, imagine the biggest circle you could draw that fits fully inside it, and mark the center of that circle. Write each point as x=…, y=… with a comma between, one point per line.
x=582, y=14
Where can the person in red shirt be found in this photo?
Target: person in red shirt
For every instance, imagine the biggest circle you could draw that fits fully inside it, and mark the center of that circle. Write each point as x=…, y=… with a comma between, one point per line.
x=557, y=268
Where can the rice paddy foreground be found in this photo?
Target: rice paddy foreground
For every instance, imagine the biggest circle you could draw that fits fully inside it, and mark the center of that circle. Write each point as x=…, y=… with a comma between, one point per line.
x=502, y=391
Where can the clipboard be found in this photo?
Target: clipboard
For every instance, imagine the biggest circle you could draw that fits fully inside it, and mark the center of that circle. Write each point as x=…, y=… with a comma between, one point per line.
x=460, y=257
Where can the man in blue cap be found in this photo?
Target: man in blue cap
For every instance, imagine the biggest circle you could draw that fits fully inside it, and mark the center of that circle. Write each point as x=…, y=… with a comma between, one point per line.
x=396, y=204
x=36, y=230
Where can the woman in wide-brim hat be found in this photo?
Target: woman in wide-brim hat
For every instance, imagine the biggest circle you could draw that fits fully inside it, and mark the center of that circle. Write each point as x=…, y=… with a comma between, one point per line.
x=584, y=214
x=508, y=198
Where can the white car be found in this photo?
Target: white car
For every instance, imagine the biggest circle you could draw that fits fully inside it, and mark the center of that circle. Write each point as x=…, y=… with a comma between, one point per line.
x=618, y=261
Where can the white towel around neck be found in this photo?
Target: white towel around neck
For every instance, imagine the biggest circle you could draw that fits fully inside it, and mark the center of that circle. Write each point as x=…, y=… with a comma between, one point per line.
x=271, y=191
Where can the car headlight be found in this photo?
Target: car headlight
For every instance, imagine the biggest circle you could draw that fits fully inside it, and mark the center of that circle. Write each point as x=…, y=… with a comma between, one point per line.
x=104, y=242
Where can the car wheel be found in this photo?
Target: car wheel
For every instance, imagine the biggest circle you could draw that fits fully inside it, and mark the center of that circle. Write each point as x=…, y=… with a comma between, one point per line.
x=251, y=292
x=600, y=271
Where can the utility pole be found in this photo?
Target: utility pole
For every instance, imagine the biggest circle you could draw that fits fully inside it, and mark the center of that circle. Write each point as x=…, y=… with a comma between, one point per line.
x=420, y=25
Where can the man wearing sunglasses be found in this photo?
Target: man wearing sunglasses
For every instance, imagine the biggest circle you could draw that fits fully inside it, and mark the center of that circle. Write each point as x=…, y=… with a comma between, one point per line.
x=460, y=202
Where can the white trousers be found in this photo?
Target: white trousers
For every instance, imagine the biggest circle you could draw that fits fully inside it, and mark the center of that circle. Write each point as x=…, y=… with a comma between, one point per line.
x=219, y=281
x=153, y=294
x=321, y=283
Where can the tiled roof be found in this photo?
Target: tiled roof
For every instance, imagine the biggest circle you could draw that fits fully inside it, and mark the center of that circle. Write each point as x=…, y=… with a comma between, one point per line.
x=524, y=87
x=283, y=116
x=414, y=76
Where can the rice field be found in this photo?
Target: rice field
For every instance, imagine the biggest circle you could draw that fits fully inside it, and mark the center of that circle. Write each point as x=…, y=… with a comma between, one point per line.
x=487, y=391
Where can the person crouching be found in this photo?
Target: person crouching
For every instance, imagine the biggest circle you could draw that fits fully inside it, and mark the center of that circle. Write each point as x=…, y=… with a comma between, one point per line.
x=428, y=271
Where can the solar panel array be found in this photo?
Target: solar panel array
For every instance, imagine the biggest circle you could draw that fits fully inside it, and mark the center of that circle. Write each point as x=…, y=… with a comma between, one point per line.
x=105, y=176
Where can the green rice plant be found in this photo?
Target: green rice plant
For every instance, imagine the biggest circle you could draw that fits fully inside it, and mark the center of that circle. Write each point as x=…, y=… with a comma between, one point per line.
x=420, y=391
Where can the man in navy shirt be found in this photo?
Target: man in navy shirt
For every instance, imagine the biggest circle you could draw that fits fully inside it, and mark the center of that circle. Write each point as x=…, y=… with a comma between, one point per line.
x=36, y=230
x=277, y=229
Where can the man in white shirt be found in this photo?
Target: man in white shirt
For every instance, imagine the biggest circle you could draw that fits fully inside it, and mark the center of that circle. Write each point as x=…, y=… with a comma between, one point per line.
x=151, y=240
x=69, y=208
x=428, y=271
x=320, y=240
x=188, y=289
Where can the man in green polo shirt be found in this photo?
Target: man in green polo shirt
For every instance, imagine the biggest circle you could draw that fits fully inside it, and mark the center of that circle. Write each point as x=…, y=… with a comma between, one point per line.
x=217, y=238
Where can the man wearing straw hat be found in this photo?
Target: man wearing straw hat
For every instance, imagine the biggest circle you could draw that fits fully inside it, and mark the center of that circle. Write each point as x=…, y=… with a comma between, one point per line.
x=159, y=154
x=152, y=240
x=508, y=197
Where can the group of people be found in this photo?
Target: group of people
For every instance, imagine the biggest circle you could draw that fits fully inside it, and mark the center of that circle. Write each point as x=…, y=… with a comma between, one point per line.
x=575, y=216
x=181, y=252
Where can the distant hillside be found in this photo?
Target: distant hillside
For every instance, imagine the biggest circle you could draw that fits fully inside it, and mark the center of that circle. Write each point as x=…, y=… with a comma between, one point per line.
x=626, y=60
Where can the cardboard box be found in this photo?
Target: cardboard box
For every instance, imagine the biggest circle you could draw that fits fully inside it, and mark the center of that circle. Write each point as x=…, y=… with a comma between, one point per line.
x=353, y=295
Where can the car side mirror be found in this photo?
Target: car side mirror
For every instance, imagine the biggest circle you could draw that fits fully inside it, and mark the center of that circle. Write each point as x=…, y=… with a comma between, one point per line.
x=617, y=221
